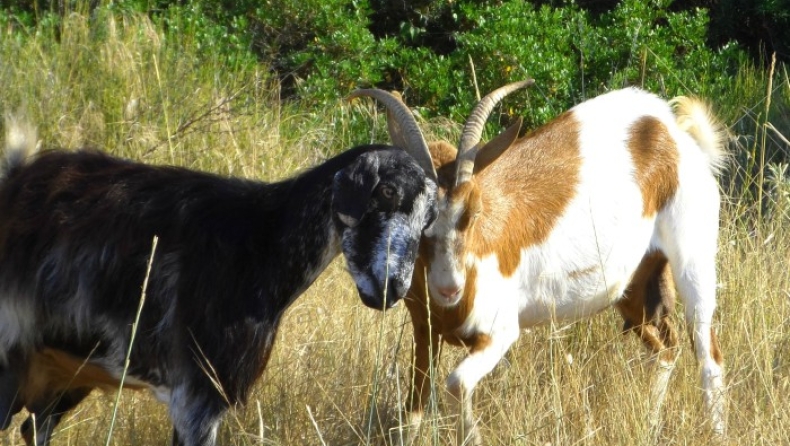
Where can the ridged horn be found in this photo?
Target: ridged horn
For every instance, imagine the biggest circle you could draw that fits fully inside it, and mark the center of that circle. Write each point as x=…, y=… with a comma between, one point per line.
x=413, y=141
x=473, y=129
x=396, y=134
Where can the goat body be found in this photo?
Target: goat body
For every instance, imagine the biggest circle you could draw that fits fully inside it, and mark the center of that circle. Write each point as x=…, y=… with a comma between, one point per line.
x=608, y=205
x=75, y=239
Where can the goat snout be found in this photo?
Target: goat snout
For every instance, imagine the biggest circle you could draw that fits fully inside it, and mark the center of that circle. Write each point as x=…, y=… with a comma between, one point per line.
x=450, y=293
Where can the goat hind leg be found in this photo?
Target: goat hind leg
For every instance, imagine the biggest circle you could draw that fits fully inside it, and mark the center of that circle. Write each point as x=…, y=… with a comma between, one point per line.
x=709, y=357
x=697, y=288
x=46, y=414
x=688, y=234
x=645, y=307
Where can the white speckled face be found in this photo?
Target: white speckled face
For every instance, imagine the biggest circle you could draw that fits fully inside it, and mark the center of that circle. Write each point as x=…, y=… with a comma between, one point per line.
x=382, y=202
x=381, y=250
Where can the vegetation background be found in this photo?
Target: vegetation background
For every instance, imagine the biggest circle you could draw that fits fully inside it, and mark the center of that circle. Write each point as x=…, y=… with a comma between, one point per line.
x=256, y=88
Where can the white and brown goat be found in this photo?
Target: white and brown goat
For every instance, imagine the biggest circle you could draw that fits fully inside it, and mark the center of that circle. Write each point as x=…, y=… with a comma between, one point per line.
x=601, y=207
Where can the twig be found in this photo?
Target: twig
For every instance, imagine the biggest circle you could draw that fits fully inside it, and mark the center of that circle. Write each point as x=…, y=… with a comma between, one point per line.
x=318, y=431
x=761, y=171
x=131, y=339
x=186, y=127
x=474, y=78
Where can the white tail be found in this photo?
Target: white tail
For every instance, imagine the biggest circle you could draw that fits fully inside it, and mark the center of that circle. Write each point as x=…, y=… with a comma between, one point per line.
x=695, y=118
x=20, y=143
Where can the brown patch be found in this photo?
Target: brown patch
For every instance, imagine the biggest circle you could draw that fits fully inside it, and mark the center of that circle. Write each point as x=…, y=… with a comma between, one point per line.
x=53, y=371
x=545, y=165
x=655, y=156
x=647, y=303
x=715, y=351
x=582, y=272
x=443, y=155
x=478, y=342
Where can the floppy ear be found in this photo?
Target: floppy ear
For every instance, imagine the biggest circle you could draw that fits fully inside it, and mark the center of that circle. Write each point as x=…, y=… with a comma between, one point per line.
x=353, y=187
x=494, y=148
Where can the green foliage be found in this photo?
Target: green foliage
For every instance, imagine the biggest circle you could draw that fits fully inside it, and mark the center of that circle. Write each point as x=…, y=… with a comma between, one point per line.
x=761, y=26
x=572, y=54
x=320, y=46
x=516, y=41
x=322, y=49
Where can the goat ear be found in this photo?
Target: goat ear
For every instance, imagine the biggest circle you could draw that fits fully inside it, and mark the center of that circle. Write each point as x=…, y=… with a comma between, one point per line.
x=352, y=188
x=494, y=148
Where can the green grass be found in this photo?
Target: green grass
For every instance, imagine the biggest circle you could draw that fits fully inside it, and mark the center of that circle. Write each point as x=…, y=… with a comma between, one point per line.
x=338, y=374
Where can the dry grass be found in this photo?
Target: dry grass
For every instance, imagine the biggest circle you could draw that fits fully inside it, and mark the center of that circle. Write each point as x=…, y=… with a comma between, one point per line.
x=338, y=375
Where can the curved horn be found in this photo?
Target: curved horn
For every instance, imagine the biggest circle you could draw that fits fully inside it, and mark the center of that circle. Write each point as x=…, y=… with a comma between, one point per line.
x=396, y=134
x=473, y=129
x=415, y=143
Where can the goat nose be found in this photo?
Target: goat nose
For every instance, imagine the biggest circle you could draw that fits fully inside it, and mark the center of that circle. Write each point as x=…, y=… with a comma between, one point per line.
x=449, y=292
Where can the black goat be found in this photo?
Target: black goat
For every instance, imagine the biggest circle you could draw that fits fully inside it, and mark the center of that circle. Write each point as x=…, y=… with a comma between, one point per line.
x=76, y=231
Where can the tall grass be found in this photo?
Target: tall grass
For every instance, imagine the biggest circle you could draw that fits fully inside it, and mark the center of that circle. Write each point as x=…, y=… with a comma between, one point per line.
x=339, y=372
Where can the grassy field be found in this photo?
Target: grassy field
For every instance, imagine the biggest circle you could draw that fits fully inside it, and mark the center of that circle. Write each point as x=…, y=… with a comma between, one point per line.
x=338, y=375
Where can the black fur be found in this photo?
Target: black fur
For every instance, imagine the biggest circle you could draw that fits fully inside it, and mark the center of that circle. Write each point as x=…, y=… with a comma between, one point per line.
x=76, y=230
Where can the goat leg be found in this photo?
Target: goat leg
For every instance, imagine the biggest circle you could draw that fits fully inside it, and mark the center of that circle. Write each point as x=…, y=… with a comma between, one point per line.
x=196, y=416
x=38, y=430
x=10, y=402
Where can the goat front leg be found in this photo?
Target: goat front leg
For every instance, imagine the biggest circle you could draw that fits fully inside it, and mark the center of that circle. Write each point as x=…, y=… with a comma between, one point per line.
x=426, y=353
x=485, y=352
x=10, y=400
x=47, y=412
x=427, y=327
x=196, y=414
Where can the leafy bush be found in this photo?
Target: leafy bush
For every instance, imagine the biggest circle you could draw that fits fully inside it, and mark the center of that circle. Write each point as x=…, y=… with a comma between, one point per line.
x=572, y=54
x=319, y=50
x=322, y=49
x=760, y=26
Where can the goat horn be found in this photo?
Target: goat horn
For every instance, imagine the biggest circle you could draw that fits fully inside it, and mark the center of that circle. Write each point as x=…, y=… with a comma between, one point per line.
x=473, y=129
x=414, y=142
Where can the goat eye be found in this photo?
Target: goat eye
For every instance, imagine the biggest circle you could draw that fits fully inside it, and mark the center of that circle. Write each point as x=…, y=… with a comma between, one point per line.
x=387, y=192
x=430, y=231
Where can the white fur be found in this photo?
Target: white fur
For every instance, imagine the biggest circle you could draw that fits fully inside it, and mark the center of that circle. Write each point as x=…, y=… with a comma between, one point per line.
x=20, y=140
x=17, y=317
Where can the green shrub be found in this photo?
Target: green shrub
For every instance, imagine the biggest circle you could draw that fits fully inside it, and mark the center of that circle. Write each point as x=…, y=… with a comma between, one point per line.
x=572, y=54
x=322, y=49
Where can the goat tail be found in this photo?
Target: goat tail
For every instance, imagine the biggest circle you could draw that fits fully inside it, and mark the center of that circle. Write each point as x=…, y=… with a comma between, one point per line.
x=20, y=144
x=695, y=117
